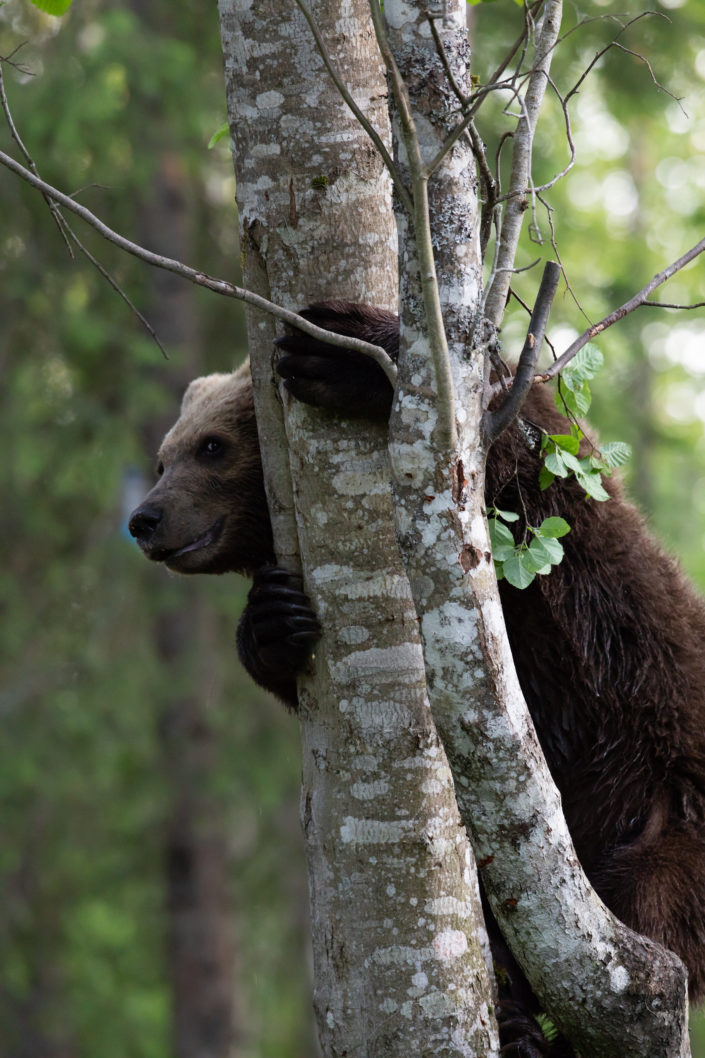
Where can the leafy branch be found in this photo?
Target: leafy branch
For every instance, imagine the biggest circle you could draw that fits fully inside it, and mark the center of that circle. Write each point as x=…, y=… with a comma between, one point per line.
x=520, y=563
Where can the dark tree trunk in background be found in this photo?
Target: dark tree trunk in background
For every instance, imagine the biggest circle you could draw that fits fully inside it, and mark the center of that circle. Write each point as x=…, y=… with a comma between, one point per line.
x=199, y=941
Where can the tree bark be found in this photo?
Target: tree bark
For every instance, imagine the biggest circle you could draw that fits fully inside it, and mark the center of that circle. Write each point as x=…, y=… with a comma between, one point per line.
x=601, y=983
x=399, y=969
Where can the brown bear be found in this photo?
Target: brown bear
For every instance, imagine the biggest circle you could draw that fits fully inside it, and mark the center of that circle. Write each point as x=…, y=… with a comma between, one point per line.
x=609, y=648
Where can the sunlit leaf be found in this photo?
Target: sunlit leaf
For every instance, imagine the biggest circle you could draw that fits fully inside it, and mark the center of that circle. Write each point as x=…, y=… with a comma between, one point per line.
x=616, y=453
x=53, y=7
x=585, y=364
x=592, y=483
x=220, y=133
x=553, y=527
x=566, y=441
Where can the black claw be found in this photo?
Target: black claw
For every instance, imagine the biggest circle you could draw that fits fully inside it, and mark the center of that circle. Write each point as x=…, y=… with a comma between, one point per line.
x=304, y=638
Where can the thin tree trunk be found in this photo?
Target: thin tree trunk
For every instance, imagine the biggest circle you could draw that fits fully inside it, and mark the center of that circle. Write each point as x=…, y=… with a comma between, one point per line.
x=532, y=877
x=398, y=966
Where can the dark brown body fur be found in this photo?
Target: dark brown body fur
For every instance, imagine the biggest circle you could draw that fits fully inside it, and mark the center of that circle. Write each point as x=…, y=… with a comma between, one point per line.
x=610, y=652
x=609, y=648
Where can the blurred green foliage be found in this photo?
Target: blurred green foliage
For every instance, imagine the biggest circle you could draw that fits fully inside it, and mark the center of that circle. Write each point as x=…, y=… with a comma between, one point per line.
x=115, y=90
x=113, y=94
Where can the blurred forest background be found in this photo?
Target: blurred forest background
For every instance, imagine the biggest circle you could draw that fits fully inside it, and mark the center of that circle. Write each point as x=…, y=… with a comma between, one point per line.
x=154, y=890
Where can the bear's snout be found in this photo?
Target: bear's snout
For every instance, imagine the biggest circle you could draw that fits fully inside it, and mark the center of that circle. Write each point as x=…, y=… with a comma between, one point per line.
x=144, y=522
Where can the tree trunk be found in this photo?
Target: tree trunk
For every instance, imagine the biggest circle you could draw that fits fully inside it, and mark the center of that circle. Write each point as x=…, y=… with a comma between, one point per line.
x=399, y=969
x=532, y=877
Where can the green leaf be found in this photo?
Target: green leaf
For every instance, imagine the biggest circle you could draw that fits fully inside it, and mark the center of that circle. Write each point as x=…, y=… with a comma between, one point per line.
x=506, y=516
x=592, y=483
x=553, y=527
x=546, y=551
x=566, y=441
x=500, y=534
x=53, y=7
x=616, y=453
x=584, y=365
x=220, y=133
x=575, y=401
x=535, y=563
x=555, y=465
x=574, y=464
x=502, y=541
x=547, y=1027
x=546, y=478
x=502, y=552
x=518, y=572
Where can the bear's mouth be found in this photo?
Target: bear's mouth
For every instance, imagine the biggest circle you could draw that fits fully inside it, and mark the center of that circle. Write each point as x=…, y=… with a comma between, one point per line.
x=208, y=538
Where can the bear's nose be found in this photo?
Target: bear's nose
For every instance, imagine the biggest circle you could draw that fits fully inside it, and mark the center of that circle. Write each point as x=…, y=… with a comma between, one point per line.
x=144, y=521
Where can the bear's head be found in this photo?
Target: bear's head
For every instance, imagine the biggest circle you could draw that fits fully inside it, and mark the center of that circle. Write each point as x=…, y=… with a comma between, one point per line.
x=208, y=511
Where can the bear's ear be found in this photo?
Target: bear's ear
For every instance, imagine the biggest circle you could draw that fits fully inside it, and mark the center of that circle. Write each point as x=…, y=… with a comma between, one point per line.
x=195, y=391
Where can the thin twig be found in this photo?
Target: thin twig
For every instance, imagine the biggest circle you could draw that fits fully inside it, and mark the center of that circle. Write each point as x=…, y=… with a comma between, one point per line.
x=441, y=51
x=554, y=245
x=69, y=236
x=219, y=286
x=116, y=287
x=435, y=329
x=521, y=159
x=569, y=138
x=668, y=305
x=489, y=187
x=478, y=96
x=53, y=208
x=495, y=422
x=635, y=302
x=614, y=44
x=527, y=310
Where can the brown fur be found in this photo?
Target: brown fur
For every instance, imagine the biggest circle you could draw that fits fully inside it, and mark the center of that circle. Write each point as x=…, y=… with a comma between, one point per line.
x=610, y=648
x=203, y=497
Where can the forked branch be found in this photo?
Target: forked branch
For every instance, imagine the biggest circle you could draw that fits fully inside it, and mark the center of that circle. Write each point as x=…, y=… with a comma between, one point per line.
x=497, y=421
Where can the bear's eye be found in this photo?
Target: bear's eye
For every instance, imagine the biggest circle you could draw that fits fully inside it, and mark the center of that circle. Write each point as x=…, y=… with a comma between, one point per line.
x=211, y=446
x=160, y=469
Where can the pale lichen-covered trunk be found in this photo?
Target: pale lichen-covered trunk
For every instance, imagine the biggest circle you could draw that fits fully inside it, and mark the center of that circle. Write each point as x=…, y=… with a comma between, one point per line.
x=399, y=967
x=597, y=979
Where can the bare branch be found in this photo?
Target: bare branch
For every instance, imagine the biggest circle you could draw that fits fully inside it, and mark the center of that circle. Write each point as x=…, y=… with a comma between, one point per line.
x=635, y=302
x=668, y=305
x=521, y=160
x=527, y=310
x=369, y=128
x=116, y=287
x=218, y=286
x=460, y=95
x=489, y=187
x=569, y=138
x=53, y=208
x=614, y=44
x=493, y=83
x=422, y=231
x=497, y=421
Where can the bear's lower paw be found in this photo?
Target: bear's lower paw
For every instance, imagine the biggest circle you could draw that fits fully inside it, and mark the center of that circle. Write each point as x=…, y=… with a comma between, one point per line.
x=277, y=631
x=520, y=1035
